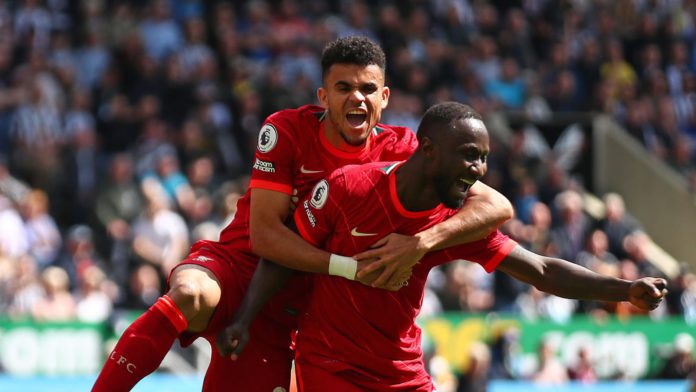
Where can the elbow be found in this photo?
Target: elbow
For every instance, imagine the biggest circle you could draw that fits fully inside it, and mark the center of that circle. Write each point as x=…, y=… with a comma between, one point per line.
x=507, y=212
x=501, y=213
x=500, y=210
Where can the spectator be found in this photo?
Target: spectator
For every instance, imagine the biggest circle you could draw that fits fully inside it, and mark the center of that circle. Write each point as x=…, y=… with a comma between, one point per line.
x=616, y=71
x=57, y=304
x=505, y=354
x=42, y=232
x=160, y=235
x=175, y=184
x=37, y=134
x=13, y=237
x=573, y=227
x=144, y=288
x=118, y=203
x=8, y=274
x=78, y=254
x=535, y=305
x=93, y=58
x=161, y=35
x=94, y=304
x=10, y=186
x=636, y=246
x=681, y=364
x=474, y=378
x=26, y=288
x=550, y=371
x=583, y=369
x=510, y=89
x=596, y=252
x=617, y=224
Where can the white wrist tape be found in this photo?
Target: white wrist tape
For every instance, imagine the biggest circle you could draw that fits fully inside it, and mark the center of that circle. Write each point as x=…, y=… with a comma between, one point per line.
x=343, y=266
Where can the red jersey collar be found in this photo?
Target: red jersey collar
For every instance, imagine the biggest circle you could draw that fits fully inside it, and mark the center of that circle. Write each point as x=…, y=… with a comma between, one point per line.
x=345, y=150
x=391, y=172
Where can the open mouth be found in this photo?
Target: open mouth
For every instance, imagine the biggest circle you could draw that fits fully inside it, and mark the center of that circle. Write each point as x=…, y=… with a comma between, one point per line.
x=356, y=118
x=465, y=184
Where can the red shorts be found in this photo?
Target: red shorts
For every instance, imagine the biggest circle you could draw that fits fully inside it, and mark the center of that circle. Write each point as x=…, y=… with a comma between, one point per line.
x=266, y=360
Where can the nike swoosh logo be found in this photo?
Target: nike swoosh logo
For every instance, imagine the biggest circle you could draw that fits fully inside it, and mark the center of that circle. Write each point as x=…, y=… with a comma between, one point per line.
x=356, y=233
x=306, y=171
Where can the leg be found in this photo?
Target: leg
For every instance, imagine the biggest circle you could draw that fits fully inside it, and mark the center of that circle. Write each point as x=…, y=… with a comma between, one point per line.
x=266, y=362
x=188, y=305
x=264, y=365
x=196, y=292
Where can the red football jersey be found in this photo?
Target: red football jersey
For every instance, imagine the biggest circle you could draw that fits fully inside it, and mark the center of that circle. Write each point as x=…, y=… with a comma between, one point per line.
x=367, y=331
x=292, y=154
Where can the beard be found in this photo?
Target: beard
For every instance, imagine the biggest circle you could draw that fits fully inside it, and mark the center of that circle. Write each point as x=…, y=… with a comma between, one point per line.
x=448, y=195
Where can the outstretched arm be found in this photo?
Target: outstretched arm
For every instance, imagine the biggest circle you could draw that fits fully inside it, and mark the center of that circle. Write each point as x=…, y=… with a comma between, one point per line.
x=565, y=279
x=483, y=212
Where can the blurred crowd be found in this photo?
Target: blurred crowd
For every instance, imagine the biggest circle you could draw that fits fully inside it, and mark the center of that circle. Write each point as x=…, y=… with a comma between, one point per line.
x=127, y=130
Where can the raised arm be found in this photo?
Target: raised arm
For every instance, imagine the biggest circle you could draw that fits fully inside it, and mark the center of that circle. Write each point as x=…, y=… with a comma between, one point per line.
x=483, y=212
x=565, y=279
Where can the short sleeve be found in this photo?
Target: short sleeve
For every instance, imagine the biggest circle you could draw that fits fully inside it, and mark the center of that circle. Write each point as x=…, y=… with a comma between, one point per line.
x=274, y=157
x=488, y=252
x=317, y=213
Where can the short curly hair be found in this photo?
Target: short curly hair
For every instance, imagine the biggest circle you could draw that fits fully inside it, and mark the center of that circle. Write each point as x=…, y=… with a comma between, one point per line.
x=445, y=114
x=356, y=50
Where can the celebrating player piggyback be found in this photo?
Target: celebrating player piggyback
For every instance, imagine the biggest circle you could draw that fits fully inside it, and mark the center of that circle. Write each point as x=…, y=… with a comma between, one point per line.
x=296, y=148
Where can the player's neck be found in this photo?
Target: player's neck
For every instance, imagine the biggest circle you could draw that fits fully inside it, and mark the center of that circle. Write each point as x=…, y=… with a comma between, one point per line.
x=412, y=188
x=334, y=139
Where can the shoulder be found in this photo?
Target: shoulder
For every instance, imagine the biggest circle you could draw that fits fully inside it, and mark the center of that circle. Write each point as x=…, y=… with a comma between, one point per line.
x=294, y=119
x=402, y=132
x=361, y=178
x=290, y=126
x=396, y=137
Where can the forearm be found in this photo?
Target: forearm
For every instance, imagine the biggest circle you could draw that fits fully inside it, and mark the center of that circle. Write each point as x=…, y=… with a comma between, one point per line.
x=285, y=247
x=483, y=212
x=569, y=280
x=268, y=279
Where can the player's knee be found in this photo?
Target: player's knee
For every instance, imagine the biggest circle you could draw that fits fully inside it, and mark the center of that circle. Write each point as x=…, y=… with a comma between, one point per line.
x=196, y=292
x=187, y=296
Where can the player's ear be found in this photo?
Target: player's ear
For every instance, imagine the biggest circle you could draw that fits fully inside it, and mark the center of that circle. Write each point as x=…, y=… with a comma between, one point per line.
x=322, y=97
x=429, y=154
x=426, y=146
x=385, y=97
